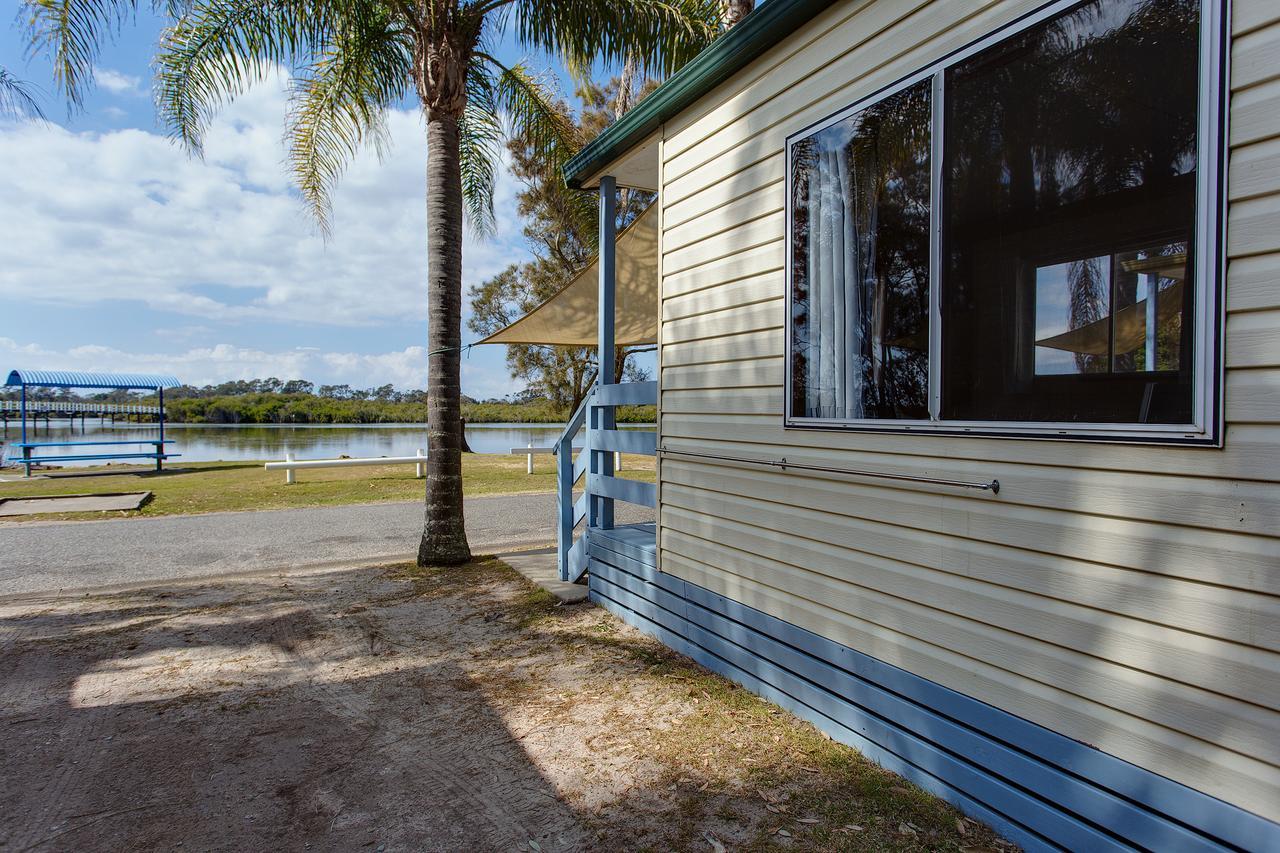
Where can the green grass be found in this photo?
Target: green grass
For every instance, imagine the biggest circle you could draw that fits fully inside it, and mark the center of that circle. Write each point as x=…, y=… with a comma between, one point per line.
x=236, y=486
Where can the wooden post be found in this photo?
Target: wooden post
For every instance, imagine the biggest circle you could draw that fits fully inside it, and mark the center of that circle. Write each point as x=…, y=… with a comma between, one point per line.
x=602, y=418
x=289, y=479
x=420, y=468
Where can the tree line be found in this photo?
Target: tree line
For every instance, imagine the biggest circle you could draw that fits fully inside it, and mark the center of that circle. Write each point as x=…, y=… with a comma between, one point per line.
x=238, y=387
x=273, y=401
x=268, y=408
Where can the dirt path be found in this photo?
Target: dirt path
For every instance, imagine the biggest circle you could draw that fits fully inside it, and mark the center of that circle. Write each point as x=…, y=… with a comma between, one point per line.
x=386, y=709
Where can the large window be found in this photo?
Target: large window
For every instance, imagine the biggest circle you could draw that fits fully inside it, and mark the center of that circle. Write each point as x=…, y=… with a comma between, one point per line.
x=1019, y=240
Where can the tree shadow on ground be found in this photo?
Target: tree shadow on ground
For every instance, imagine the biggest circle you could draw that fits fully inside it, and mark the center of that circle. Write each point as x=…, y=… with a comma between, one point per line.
x=399, y=709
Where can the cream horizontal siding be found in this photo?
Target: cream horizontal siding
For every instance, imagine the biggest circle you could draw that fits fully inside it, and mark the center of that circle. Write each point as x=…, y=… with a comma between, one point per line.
x=1127, y=596
x=1033, y=637
x=762, y=202
x=761, y=259
x=1239, y=506
x=1251, y=283
x=1251, y=457
x=1249, y=618
x=752, y=179
x=739, y=238
x=1253, y=15
x=1255, y=57
x=748, y=291
x=1255, y=170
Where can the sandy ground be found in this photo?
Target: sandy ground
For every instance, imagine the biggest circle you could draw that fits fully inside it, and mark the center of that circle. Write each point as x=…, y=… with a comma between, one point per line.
x=389, y=709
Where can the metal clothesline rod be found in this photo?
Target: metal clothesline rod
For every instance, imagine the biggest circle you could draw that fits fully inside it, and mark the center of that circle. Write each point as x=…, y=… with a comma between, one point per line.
x=993, y=486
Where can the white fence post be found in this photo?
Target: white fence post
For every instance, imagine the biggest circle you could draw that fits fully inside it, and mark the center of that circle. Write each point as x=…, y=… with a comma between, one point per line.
x=617, y=460
x=528, y=468
x=291, y=463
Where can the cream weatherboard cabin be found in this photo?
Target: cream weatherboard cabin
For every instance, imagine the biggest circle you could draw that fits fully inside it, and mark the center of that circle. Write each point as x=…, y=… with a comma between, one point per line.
x=968, y=324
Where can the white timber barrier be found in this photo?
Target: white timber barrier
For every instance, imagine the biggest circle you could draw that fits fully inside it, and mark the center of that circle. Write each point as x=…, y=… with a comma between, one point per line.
x=531, y=450
x=290, y=465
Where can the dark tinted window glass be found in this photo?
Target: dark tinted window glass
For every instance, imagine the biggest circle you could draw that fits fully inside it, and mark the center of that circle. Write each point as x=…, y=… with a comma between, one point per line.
x=860, y=263
x=1069, y=193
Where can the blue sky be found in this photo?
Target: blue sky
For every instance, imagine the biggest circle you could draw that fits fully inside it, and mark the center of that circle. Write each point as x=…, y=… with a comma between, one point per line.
x=122, y=253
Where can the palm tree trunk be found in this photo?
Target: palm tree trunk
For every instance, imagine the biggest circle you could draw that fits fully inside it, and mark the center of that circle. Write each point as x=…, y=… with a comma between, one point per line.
x=733, y=11
x=444, y=535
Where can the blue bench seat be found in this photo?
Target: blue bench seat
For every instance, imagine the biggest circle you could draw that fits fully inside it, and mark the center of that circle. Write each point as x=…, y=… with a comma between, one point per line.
x=49, y=460
x=155, y=441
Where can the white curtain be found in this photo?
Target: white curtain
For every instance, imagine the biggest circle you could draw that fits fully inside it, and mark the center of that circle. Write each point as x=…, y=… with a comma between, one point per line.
x=842, y=279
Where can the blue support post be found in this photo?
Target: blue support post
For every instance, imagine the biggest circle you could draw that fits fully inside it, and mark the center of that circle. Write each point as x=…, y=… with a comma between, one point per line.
x=26, y=451
x=603, y=417
x=160, y=446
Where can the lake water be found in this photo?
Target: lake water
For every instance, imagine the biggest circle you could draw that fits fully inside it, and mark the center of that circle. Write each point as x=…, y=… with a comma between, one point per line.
x=210, y=443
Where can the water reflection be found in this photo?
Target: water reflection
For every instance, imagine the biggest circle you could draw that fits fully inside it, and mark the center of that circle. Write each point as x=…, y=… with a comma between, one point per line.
x=207, y=443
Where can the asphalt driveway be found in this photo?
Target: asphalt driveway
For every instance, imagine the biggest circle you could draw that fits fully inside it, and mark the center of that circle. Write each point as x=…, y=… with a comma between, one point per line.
x=53, y=556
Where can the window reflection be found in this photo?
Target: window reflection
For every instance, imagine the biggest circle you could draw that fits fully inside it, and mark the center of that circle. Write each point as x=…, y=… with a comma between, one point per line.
x=1069, y=208
x=1112, y=314
x=860, y=263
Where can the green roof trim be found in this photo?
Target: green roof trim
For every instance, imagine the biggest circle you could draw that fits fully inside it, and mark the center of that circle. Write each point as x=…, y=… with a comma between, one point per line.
x=720, y=60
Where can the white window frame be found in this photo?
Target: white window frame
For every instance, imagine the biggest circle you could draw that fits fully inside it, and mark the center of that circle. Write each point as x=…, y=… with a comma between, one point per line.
x=1210, y=257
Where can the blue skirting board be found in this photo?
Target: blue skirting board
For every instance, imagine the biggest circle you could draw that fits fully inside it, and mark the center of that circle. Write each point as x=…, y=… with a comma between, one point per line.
x=1036, y=787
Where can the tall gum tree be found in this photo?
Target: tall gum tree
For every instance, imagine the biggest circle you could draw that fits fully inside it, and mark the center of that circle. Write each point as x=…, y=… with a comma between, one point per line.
x=352, y=61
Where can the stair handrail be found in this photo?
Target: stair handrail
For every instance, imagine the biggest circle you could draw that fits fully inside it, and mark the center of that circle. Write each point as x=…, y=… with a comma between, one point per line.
x=565, y=520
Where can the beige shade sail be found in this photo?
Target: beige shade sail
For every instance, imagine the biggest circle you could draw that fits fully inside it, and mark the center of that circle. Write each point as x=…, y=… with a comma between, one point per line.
x=1131, y=321
x=569, y=317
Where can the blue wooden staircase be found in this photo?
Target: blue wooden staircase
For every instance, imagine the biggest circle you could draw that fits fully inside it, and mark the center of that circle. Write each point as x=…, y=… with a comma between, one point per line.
x=600, y=541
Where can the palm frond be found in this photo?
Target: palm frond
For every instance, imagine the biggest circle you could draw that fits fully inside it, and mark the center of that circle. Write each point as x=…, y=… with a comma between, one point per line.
x=660, y=34
x=71, y=33
x=534, y=114
x=16, y=100
x=544, y=127
x=339, y=103
x=480, y=135
x=220, y=47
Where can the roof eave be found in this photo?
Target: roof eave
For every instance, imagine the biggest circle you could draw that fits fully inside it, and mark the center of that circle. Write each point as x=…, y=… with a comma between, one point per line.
x=755, y=34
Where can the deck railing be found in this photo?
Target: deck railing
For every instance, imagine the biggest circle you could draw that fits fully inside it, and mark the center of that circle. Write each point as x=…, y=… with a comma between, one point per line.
x=595, y=462
x=42, y=406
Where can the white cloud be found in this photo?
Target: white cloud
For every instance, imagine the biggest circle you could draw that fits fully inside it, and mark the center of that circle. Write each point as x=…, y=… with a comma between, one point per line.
x=405, y=368
x=117, y=83
x=126, y=215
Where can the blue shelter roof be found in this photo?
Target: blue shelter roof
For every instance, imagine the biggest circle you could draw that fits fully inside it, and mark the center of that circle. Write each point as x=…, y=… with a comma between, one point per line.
x=79, y=379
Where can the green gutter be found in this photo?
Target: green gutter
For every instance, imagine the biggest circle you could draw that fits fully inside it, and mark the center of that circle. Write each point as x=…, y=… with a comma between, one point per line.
x=724, y=57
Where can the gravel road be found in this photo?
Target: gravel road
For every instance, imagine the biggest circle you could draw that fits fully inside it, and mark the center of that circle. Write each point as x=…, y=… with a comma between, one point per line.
x=45, y=557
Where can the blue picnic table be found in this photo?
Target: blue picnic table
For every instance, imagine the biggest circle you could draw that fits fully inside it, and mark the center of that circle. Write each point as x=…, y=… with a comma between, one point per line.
x=74, y=379
x=28, y=459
